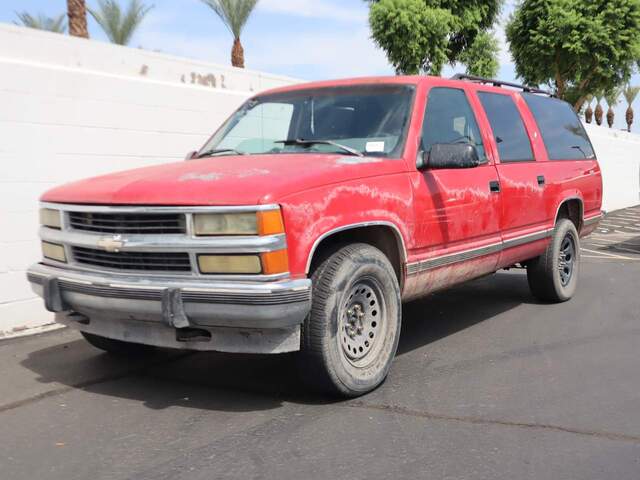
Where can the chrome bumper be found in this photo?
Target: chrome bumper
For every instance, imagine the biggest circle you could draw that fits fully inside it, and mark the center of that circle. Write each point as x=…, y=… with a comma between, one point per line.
x=259, y=317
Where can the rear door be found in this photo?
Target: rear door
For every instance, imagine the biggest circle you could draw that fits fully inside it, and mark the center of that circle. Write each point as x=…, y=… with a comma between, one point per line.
x=525, y=220
x=570, y=167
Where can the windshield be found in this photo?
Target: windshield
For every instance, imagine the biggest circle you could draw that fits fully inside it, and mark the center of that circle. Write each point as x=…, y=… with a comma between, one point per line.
x=369, y=119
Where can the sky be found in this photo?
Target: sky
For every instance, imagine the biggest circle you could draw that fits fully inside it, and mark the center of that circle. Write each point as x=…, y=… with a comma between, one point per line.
x=306, y=39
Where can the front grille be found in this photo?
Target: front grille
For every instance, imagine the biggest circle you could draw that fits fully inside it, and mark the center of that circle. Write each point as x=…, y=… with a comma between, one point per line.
x=128, y=223
x=144, y=261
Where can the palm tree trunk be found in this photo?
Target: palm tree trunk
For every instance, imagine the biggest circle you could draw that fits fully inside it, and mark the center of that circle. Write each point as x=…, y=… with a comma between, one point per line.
x=610, y=117
x=598, y=114
x=237, y=54
x=588, y=114
x=77, y=12
x=629, y=118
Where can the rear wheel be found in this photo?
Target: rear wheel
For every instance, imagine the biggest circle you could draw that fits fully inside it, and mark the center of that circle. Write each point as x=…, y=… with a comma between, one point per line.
x=117, y=347
x=351, y=335
x=553, y=276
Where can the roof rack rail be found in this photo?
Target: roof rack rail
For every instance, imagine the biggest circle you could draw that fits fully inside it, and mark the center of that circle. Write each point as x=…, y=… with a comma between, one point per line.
x=500, y=83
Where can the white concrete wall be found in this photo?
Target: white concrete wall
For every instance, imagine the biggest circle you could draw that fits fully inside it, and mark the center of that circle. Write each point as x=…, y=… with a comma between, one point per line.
x=72, y=108
x=619, y=156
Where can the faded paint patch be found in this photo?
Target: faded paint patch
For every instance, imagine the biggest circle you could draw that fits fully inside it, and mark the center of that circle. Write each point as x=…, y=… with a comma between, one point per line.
x=356, y=160
x=253, y=172
x=203, y=177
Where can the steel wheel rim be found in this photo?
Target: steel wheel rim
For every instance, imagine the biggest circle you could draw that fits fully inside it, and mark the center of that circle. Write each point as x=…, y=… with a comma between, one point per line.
x=566, y=259
x=362, y=322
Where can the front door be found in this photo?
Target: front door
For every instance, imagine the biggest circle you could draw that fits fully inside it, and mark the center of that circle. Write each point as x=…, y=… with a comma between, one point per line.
x=457, y=210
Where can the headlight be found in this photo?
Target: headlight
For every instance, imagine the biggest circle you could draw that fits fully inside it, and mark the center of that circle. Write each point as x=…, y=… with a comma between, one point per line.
x=268, y=222
x=225, y=224
x=233, y=264
x=53, y=251
x=50, y=218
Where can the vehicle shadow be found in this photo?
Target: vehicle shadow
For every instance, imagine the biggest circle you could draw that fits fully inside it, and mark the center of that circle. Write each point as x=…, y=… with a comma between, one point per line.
x=234, y=382
x=631, y=245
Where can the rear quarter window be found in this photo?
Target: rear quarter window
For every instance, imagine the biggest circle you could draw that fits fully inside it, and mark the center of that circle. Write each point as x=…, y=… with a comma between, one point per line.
x=562, y=132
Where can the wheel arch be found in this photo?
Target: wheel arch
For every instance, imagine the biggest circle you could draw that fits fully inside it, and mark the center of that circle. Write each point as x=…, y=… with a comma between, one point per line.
x=385, y=236
x=571, y=208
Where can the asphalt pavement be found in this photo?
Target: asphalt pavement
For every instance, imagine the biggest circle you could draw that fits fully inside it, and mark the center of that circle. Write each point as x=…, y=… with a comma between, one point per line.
x=488, y=384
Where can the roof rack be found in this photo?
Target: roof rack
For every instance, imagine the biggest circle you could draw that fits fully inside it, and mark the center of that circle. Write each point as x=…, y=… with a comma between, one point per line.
x=500, y=83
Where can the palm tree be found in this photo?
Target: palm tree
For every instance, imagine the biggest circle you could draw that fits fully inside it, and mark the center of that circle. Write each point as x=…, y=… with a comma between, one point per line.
x=588, y=113
x=118, y=25
x=612, y=97
x=77, y=13
x=42, y=22
x=234, y=14
x=630, y=93
x=598, y=111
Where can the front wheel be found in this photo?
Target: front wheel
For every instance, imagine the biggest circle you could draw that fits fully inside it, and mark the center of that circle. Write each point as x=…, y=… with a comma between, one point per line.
x=350, y=337
x=553, y=276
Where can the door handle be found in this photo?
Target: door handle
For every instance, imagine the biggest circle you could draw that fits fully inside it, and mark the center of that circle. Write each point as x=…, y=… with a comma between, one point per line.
x=541, y=180
x=494, y=186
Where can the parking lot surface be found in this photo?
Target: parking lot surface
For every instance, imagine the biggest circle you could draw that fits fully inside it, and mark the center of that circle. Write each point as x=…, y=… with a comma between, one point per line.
x=488, y=384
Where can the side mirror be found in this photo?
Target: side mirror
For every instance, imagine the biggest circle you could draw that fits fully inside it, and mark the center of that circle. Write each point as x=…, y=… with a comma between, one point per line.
x=450, y=155
x=191, y=155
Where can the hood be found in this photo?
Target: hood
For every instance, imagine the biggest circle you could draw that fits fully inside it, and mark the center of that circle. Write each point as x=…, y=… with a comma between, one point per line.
x=227, y=180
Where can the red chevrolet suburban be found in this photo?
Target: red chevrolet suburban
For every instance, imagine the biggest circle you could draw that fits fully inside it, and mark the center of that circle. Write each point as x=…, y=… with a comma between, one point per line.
x=314, y=211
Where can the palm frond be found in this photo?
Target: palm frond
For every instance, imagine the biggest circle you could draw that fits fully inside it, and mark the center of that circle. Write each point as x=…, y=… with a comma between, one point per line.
x=233, y=13
x=630, y=93
x=613, y=96
x=42, y=22
x=119, y=26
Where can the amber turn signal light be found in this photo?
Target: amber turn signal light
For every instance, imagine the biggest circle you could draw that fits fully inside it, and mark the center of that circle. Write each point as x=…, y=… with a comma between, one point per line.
x=275, y=262
x=270, y=222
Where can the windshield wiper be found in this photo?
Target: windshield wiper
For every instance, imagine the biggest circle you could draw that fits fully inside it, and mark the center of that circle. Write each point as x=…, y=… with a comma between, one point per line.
x=308, y=143
x=211, y=153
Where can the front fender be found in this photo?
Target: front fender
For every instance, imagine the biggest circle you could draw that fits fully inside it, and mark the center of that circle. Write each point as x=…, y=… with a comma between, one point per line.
x=315, y=214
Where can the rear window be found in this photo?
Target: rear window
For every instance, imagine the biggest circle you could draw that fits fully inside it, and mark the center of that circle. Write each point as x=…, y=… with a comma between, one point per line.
x=562, y=133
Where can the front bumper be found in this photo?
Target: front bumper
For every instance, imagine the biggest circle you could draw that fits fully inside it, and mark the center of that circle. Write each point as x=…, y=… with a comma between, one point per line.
x=259, y=317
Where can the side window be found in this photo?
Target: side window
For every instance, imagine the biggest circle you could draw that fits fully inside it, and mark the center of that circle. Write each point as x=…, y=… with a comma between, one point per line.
x=561, y=130
x=448, y=118
x=510, y=134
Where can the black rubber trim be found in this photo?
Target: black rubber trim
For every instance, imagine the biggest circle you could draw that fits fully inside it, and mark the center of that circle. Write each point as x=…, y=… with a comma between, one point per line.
x=447, y=260
x=451, y=259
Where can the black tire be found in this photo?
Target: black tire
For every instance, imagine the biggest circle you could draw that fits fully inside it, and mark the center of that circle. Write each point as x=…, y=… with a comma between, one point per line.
x=553, y=276
x=351, y=336
x=117, y=347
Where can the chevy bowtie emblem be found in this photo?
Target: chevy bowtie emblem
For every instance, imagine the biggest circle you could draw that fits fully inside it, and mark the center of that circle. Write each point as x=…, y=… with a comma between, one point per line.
x=113, y=244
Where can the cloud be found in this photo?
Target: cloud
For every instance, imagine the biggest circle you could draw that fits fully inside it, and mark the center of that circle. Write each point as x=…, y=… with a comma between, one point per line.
x=321, y=9
x=343, y=53
x=280, y=45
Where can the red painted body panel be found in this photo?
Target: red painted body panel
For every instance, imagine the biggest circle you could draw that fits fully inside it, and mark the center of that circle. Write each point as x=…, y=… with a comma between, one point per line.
x=435, y=213
x=311, y=214
x=225, y=180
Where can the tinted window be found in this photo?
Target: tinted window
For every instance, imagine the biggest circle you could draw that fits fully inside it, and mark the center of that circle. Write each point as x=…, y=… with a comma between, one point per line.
x=562, y=133
x=508, y=128
x=449, y=119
